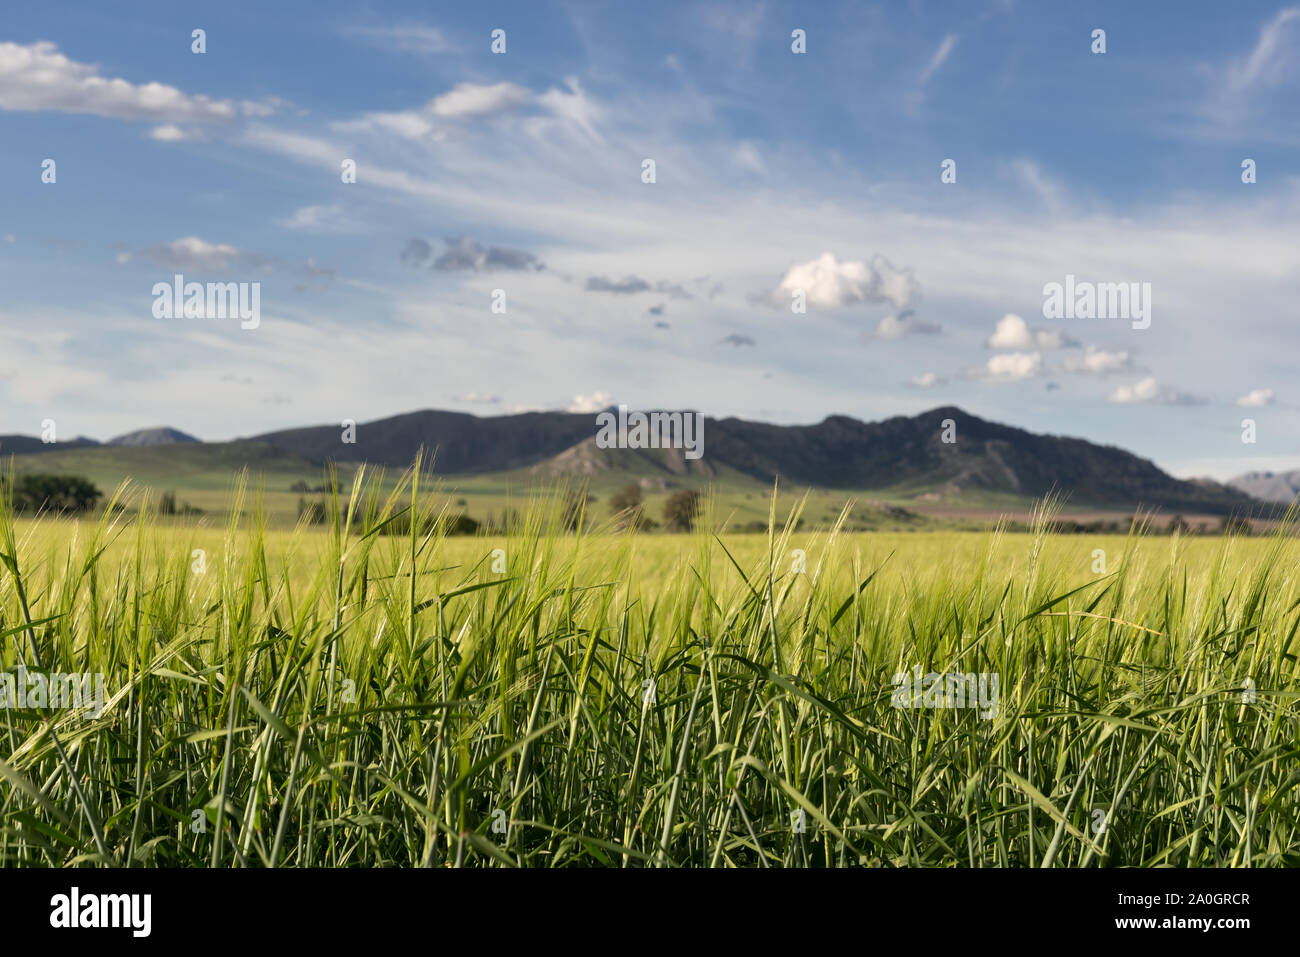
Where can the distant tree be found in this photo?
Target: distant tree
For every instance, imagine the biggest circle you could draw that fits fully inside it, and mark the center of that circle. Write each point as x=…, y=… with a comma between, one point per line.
x=460, y=524
x=681, y=510
x=575, y=506
x=312, y=512
x=1178, y=526
x=167, y=504
x=58, y=493
x=1235, y=525
x=629, y=496
x=625, y=505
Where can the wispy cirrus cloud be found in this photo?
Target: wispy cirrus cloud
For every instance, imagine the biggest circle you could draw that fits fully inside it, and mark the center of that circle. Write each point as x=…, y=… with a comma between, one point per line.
x=403, y=38
x=939, y=58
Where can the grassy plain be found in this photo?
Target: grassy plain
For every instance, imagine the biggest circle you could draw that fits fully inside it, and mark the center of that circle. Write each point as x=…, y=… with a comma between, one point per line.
x=339, y=696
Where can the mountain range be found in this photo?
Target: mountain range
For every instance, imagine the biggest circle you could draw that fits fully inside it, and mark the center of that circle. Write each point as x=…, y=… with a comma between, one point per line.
x=905, y=454
x=1270, y=486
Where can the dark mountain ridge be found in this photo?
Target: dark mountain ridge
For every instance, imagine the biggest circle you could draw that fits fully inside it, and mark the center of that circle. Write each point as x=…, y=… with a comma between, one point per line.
x=838, y=452
x=906, y=454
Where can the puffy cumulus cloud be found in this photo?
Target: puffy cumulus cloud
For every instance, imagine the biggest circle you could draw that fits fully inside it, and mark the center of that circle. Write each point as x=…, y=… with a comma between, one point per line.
x=37, y=77
x=1255, y=398
x=1009, y=367
x=465, y=253
x=829, y=283
x=596, y=402
x=1098, y=362
x=926, y=380
x=1150, y=392
x=1012, y=332
x=191, y=252
x=905, y=323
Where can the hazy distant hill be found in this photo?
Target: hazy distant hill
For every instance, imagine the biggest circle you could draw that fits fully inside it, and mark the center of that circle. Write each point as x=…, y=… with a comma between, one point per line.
x=163, y=435
x=1269, y=486
x=30, y=445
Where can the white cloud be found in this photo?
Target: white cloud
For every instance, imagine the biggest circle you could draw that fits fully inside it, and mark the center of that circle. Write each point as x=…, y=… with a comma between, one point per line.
x=925, y=380
x=410, y=125
x=747, y=157
x=405, y=38
x=473, y=99
x=1266, y=61
x=1255, y=398
x=1149, y=392
x=38, y=77
x=596, y=402
x=320, y=219
x=829, y=283
x=1031, y=176
x=905, y=323
x=170, y=133
x=477, y=100
x=1009, y=367
x=575, y=106
x=1098, y=362
x=191, y=252
x=477, y=398
x=1012, y=332
x=940, y=56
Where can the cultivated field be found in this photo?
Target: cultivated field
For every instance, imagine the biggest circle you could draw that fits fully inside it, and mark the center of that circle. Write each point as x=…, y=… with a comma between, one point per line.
x=340, y=695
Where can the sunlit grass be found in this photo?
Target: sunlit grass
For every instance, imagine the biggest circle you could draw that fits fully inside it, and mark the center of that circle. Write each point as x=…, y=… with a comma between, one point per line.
x=346, y=697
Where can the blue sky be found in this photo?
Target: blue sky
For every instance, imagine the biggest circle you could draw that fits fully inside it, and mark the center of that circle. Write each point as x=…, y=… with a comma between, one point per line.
x=522, y=172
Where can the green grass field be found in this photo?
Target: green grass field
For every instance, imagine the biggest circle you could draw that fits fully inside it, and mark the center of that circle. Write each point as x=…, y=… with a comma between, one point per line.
x=200, y=476
x=339, y=696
